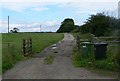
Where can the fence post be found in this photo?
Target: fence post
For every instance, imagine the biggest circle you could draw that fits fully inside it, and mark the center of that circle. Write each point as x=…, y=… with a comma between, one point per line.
x=27, y=46
x=10, y=54
x=30, y=45
x=78, y=42
x=92, y=38
x=24, y=48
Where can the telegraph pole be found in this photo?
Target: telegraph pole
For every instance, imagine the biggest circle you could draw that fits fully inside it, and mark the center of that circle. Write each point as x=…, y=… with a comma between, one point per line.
x=50, y=29
x=8, y=24
x=40, y=28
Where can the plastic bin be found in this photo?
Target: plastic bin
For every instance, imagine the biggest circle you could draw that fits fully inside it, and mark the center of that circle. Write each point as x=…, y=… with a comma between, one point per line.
x=86, y=48
x=100, y=50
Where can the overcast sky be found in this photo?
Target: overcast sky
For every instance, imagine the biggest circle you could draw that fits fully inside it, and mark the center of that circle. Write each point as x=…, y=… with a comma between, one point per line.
x=28, y=15
x=119, y=9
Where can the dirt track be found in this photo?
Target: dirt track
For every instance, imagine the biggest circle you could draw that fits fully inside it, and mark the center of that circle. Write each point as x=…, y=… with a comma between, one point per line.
x=61, y=68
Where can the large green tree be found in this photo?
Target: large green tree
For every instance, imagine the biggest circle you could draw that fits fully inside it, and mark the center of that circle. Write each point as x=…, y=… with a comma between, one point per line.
x=84, y=28
x=66, y=26
x=99, y=25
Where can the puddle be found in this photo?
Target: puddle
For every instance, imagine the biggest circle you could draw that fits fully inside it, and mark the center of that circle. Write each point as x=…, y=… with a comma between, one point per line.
x=55, y=52
x=53, y=47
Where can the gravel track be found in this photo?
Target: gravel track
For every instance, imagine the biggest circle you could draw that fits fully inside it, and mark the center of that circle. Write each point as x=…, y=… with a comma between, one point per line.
x=61, y=68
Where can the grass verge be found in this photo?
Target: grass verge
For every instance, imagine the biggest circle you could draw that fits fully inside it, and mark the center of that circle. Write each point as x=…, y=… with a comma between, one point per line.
x=108, y=64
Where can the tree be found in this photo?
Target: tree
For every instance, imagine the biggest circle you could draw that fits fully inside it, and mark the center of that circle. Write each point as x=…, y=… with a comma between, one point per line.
x=76, y=29
x=15, y=30
x=98, y=24
x=66, y=26
x=11, y=31
x=84, y=29
x=118, y=24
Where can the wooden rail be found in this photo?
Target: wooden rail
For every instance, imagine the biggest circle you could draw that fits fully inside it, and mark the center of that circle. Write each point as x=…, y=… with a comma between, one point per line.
x=112, y=37
x=107, y=39
x=27, y=46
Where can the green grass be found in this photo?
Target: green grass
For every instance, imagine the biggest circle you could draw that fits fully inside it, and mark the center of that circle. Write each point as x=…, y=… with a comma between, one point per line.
x=49, y=59
x=108, y=64
x=12, y=56
x=77, y=59
x=82, y=36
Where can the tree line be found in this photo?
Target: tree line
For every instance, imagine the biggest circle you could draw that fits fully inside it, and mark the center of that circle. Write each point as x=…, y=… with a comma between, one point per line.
x=99, y=25
x=14, y=30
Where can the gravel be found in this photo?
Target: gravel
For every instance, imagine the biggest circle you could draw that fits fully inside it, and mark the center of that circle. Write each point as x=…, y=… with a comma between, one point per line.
x=62, y=67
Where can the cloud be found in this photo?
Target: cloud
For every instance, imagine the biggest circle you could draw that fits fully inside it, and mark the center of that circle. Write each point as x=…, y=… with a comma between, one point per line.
x=79, y=7
x=91, y=6
x=3, y=26
x=59, y=1
x=32, y=27
x=39, y=9
x=21, y=5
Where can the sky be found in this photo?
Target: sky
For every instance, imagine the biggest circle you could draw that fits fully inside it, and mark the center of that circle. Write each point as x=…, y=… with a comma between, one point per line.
x=119, y=9
x=47, y=15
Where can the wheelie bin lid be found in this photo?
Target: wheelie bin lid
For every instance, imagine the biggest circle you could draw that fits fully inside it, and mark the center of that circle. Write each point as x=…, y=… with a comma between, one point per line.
x=100, y=43
x=87, y=43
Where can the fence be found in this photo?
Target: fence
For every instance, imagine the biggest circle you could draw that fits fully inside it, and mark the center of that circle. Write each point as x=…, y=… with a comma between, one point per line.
x=109, y=39
x=93, y=39
x=10, y=53
x=79, y=41
x=27, y=46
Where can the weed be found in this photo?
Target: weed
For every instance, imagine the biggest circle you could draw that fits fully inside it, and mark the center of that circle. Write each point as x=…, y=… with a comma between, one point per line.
x=49, y=59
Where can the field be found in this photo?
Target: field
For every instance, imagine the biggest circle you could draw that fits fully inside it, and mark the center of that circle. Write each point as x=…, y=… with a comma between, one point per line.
x=14, y=53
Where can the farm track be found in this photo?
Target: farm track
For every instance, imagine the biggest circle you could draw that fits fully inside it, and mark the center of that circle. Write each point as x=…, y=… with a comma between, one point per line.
x=61, y=68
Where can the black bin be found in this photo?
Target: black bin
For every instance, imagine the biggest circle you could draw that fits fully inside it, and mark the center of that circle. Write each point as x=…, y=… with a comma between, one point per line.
x=100, y=50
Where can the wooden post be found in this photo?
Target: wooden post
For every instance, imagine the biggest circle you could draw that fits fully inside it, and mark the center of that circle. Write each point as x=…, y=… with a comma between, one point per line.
x=8, y=25
x=78, y=42
x=40, y=28
x=92, y=38
x=12, y=51
x=24, y=49
x=27, y=46
x=10, y=54
x=30, y=45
